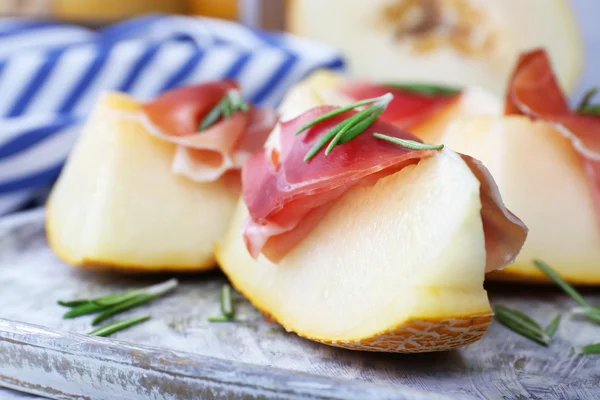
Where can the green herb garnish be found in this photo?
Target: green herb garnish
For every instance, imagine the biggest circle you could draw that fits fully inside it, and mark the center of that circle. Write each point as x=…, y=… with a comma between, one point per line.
x=521, y=324
x=117, y=326
x=349, y=128
x=409, y=144
x=424, y=88
x=570, y=290
x=116, y=303
x=589, y=349
x=230, y=103
x=553, y=326
x=227, y=309
x=584, y=106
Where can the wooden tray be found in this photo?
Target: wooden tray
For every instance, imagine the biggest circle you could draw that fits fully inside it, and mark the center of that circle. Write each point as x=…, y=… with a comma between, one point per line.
x=179, y=355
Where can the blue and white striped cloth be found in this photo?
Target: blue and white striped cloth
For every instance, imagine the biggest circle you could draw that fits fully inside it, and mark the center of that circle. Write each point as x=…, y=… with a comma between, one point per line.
x=51, y=74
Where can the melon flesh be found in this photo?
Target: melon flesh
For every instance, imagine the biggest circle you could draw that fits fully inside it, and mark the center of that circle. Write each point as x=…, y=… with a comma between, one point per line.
x=118, y=204
x=541, y=180
x=456, y=42
x=398, y=266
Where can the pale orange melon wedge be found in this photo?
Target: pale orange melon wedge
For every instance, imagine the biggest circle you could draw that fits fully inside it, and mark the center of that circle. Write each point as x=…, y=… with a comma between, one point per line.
x=117, y=204
x=321, y=88
x=456, y=42
x=395, y=267
x=542, y=181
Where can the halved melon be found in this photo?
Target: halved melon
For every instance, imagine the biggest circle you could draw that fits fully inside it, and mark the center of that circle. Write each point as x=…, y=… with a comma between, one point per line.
x=395, y=267
x=541, y=180
x=117, y=203
x=456, y=42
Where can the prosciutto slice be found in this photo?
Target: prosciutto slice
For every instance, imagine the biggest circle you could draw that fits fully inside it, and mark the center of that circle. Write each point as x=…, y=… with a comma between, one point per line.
x=206, y=155
x=408, y=109
x=534, y=91
x=286, y=197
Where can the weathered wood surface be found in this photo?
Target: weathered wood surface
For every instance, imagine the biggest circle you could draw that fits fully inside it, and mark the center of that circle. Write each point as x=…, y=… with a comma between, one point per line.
x=252, y=358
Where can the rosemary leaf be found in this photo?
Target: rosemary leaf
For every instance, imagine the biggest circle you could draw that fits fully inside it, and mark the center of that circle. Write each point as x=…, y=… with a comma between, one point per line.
x=72, y=303
x=570, y=290
x=521, y=324
x=385, y=99
x=424, y=88
x=589, y=349
x=220, y=318
x=226, y=302
x=361, y=126
x=323, y=140
x=117, y=326
x=84, y=309
x=584, y=103
x=553, y=326
x=231, y=102
x=115, y=299
x=140, y=297
x=355, y=123
x=590, y=110
x=226, y=107
x=210, y=118
x=409, y=144
x=133, y=302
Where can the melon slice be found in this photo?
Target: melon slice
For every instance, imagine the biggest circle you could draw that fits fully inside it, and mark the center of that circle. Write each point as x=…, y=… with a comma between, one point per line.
x=395, y=267
x=320, y=88
x=117, y=204
x=456, y=42
x=541, y=180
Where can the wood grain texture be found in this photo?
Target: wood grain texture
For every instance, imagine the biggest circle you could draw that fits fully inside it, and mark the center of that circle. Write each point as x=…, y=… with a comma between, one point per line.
x=502, y=365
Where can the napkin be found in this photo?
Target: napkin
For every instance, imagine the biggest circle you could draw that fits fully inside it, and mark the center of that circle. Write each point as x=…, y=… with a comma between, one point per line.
x=51, y=74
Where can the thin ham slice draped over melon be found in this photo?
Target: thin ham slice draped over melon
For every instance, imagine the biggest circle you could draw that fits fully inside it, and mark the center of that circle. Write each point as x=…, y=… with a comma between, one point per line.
x=206, y=155
x=534, y=92
x=286, y=196
x=408, y=109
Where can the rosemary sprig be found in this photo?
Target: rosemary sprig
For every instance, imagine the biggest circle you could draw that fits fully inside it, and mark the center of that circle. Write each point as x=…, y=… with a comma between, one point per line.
x=570, y=290
x=589, y=349
x=230, y=103
x=72, y=303
x=123, y=306
x=386, y=98
x=409, y=144
x=116, y=303
x=84, y=309
x=521, y=324
x=424, y=88
x=350, y=127
x=354, y=126
x=590, y=110
x=553, y=325
x=227, y=309
x=584, y=103
x=117, y=326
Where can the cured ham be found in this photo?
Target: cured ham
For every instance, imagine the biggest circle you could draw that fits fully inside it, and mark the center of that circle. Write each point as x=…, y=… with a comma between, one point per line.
x=534, y=91
x=206, y=155
x=286, y=196
x=408, y=109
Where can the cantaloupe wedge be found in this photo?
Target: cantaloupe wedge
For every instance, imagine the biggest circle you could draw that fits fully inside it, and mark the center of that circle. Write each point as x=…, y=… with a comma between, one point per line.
x=396, y=267
x=457, y=42
x=542, y=180
x=117, y=203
